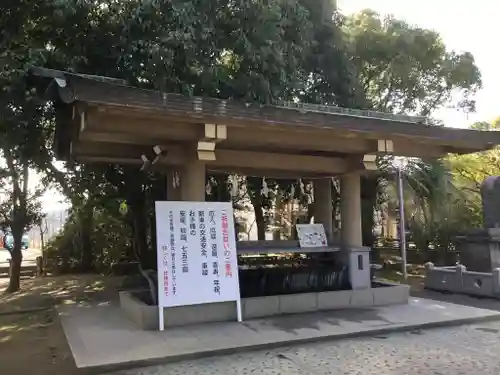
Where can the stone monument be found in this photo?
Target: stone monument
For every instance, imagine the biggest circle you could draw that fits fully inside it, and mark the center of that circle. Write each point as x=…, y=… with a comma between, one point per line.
x=490, y=195
x=479, y=249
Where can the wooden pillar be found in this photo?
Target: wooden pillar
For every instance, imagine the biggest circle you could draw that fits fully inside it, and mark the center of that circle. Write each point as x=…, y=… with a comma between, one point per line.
x=350, y=209
x=192, y=181
x=323, y=205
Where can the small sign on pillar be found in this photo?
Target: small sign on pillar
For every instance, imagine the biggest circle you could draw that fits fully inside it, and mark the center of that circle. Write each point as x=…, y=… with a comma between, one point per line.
x=311, y=235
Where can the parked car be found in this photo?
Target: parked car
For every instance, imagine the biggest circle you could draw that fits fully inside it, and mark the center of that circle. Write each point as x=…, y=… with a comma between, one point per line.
x=9, y=242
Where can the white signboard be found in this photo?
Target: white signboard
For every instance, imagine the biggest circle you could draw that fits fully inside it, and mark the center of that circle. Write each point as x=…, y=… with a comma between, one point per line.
x=311, y=235
x=197, y=260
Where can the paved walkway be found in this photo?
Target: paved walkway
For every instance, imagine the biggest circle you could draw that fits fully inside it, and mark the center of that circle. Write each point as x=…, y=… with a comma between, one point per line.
x=29, y=256
x=101, y=337
x=466, y=350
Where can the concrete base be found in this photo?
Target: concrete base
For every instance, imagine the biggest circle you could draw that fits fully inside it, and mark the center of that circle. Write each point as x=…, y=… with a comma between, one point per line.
x=146, y=316
x=479, y=249
x=458, y=279
x=102, y=339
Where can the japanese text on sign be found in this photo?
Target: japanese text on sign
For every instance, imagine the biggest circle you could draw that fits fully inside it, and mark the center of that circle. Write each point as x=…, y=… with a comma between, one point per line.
x=227, y=250
x=215, y=252
x=172, y=252
x=183, y=241
x=196, y=253
x=164, y=253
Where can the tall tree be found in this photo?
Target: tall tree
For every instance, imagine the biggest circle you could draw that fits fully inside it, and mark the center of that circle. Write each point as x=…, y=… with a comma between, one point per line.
x=22, y=122
x=408, y=70
x=250, y=50
x=331, y=77
x=469, y=171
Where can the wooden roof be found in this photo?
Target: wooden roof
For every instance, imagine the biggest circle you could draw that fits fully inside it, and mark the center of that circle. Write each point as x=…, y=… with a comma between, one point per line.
x=69, y=89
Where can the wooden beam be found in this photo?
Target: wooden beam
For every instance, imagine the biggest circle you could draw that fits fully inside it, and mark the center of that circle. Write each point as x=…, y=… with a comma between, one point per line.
x=282, y=162
x=210, y=169
x=364, y=126
x=174, y=155
x=109, y=127
x=405, y=147
x=109, y=149
x=401, y=147
x=147, y=127
x=108, y=160
x=122, y=138
x=227, y=159
x=304, y=140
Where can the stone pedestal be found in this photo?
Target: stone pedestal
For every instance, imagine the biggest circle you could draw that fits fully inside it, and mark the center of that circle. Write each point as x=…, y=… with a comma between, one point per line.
x=479, y=250
x=490, y=196
x=359, y=268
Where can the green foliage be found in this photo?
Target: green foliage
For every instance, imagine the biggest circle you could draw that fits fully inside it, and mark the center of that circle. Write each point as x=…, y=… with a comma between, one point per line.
x=407, y=69
x=440, y=210
x=22, y=123
x=109, y=240
x=248, y=50
x=485, y=125
x=469, y=172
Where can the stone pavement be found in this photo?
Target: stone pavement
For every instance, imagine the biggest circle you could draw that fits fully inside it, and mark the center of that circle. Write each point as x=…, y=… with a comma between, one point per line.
x=102, y=338
x=459, y=350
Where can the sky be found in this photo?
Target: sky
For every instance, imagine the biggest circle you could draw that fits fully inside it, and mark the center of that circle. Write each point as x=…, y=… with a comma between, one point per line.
x=464, y=26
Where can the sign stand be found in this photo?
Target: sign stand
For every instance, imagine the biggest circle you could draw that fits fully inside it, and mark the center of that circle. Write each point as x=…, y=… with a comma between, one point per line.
x=161, y=315
x=238, y=310
x=196, y=254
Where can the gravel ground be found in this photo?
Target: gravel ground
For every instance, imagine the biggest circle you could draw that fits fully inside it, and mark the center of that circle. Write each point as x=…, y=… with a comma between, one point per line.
x=468, y=350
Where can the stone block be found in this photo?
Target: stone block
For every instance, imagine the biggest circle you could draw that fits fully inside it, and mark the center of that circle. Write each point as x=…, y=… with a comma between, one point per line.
x=361, y=298
x=143, y=315
x=195, y=314
x=496, y=281
x=359, y=267
x=258, y=307
x=146, y=317
x=149, y=317
x=445, y=279
x=477, y=283
x=392, y=294
x=334, y=300
x=298, y=303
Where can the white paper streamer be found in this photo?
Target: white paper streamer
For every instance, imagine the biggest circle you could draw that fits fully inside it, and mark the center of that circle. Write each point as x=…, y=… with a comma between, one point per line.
x=265, y=190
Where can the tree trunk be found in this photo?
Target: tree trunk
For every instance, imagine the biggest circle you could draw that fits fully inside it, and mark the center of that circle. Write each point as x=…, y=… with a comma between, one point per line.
x=152, y=234
x=310, y=212
x=42, y=242
x=87, y=259
x=259, y=219
x=136, y=195
x=15, y=266
x=277, y=217
x=139, y=223
x=368, y=203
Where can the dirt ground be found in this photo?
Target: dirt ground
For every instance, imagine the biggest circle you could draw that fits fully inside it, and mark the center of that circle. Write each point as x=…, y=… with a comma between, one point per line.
x=32, y=340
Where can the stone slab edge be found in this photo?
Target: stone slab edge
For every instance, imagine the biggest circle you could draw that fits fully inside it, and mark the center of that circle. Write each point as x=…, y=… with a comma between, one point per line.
x=103, y=369
x=26, y=311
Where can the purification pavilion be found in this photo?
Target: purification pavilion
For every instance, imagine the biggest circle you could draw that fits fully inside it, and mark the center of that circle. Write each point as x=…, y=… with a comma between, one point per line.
x=103, y=120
